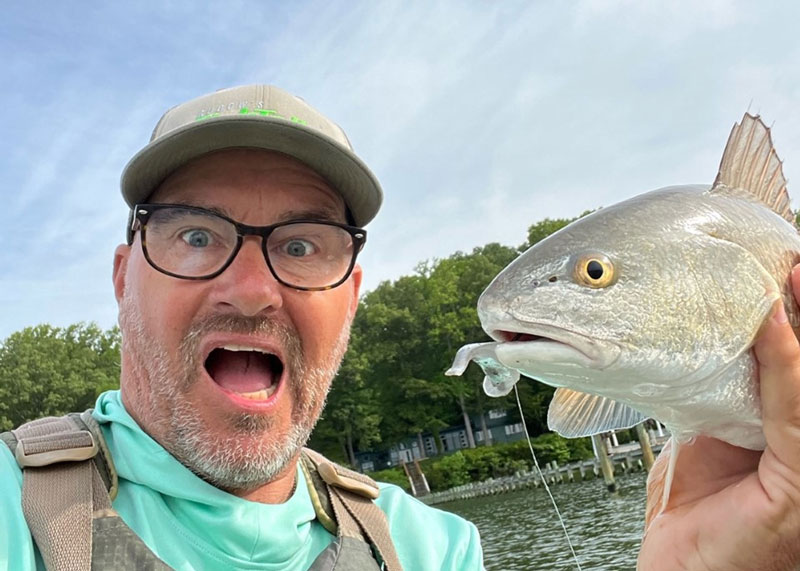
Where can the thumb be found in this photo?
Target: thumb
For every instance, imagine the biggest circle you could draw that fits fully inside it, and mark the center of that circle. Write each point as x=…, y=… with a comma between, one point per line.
x=778, y=355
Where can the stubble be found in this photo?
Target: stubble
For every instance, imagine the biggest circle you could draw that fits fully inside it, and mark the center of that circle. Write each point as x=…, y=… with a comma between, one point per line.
x=250, y=453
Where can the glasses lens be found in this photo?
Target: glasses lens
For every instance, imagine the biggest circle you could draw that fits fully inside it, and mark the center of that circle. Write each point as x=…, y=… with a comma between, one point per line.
x=309, y=254
x=187, y=242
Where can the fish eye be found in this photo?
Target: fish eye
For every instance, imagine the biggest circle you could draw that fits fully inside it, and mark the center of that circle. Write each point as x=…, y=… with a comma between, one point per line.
x=595, y=271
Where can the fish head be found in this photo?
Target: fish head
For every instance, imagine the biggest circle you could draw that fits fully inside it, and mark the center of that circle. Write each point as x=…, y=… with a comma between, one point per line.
x=632, y=302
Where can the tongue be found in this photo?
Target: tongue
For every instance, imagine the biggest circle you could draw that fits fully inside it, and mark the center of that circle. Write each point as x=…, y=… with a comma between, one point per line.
x=240, y=371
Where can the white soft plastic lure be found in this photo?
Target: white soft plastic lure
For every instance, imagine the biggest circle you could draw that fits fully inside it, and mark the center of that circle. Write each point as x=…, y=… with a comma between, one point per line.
x=649, y=308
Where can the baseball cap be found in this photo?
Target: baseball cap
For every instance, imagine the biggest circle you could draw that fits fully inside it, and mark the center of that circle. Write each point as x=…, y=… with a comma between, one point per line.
x=253, y=116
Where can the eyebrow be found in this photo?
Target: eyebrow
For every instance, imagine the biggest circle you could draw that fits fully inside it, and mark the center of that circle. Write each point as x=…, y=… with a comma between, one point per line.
x=322, y=214
x=214, y=209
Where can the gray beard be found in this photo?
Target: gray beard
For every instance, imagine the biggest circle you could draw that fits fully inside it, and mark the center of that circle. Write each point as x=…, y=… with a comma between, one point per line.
x=161, y=385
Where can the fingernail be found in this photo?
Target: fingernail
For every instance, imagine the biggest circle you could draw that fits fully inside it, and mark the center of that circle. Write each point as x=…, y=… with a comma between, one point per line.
x=780, y=314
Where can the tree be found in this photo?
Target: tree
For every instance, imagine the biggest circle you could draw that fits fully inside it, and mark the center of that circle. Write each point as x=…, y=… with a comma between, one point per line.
x=396, y=318
x=50, y=371
x=542, y=229
x=454, y=286
x=352, y=414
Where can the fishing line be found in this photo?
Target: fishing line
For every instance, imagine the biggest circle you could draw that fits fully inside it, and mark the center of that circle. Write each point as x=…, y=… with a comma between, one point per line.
x=544, y=480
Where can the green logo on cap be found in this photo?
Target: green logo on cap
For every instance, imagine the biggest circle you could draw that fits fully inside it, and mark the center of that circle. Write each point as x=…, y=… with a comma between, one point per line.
x=261, y=112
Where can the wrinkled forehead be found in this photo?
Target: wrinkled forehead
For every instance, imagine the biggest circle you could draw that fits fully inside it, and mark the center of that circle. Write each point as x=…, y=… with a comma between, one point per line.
x=238, y=179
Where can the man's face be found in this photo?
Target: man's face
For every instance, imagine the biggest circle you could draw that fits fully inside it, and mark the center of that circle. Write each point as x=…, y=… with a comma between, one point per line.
x=230, y=374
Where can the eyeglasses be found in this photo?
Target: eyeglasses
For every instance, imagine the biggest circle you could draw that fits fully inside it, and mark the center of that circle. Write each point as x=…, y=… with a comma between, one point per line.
x=193, y=243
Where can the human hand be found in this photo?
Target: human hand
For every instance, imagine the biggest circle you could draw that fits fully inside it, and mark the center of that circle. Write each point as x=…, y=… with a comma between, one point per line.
x=732, y=509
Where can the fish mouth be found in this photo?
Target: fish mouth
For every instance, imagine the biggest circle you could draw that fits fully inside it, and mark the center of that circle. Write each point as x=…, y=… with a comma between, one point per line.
x=551, y=343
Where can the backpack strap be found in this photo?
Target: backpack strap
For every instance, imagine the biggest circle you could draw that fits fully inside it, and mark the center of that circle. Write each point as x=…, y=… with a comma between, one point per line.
x=349, y=497
x=57, y=502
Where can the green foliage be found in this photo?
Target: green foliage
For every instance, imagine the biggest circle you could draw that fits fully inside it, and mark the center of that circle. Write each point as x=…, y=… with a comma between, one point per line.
x=535, y=398
x=449, y=472
x=551, y=446
x=542, y=229
x=483, y=463
x=580, y=449
x=394, y=476
x=492, y=462
x=352, y=414
x=392, y=385
x=501, y=460
x=47, y=370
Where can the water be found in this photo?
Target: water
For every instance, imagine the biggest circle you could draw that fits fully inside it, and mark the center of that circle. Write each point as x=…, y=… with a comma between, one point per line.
x=520, y=530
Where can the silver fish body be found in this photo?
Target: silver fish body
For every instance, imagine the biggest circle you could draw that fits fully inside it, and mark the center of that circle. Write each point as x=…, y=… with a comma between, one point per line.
x=650, y=307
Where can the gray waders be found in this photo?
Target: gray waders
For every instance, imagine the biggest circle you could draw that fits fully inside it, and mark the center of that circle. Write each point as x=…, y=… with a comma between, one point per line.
x=69, y=482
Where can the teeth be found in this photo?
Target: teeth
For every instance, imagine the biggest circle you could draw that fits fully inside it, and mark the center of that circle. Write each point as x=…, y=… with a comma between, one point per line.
x=245, y=348
x=263, y=394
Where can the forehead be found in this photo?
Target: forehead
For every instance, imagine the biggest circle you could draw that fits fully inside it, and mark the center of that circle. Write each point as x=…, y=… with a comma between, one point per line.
x=245, y=183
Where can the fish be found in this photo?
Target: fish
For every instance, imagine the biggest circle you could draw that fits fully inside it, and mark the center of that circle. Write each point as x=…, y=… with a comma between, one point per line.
x=649, y=308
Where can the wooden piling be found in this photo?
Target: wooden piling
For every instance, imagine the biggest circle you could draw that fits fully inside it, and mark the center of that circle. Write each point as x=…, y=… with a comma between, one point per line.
x=605, y=462
x=647, y=451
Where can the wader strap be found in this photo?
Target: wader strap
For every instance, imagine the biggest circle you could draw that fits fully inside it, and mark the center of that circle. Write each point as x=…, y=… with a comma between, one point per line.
x=351, y=496
x=57, y=499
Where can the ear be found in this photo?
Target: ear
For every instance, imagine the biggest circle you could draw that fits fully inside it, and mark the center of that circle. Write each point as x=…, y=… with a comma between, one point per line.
x=121, y=255
x=355, y=277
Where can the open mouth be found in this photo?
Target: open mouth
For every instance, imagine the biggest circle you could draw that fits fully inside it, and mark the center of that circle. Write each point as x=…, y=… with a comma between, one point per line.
x=510, y=336
x=554, y=343
x=249, y=372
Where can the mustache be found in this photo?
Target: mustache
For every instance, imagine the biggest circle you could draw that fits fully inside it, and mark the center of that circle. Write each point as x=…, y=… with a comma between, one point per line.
x=244, y=325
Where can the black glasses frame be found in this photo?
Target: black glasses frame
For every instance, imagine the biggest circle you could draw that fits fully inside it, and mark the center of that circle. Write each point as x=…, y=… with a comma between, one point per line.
x=141, y=215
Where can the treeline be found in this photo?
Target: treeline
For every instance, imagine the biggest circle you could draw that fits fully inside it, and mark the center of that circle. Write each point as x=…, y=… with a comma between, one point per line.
x=391, y=385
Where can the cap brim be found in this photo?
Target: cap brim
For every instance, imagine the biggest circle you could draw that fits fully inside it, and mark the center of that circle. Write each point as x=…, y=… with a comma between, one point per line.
x=343, y=170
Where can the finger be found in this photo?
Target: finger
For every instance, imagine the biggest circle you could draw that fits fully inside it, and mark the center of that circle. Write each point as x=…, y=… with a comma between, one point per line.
x=778, y=355
x=796, y=282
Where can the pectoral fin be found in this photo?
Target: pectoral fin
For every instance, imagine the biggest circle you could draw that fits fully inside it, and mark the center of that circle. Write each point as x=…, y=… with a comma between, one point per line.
x=573, y=414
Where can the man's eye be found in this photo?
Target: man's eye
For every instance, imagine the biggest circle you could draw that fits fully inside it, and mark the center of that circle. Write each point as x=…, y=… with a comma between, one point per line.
x=197, y=238
x=299, y=248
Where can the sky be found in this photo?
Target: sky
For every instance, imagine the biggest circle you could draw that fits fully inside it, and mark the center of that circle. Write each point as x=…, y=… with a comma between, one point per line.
x=479, y=118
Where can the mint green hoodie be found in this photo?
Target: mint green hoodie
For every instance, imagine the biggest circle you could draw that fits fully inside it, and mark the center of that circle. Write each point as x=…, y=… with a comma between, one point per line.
x=190, y=524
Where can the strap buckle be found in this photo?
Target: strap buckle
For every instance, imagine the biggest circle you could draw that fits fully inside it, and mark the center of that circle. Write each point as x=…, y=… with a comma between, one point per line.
x=348, y=480
x=36, y=451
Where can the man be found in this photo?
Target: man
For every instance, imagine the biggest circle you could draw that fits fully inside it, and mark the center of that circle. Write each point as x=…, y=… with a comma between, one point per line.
x=236, y=291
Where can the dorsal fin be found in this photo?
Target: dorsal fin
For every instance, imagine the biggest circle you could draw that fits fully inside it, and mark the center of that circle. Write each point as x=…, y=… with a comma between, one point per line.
x=751, y=164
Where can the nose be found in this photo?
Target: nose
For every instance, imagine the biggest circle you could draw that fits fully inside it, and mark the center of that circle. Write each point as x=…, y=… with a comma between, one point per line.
x=247, y=285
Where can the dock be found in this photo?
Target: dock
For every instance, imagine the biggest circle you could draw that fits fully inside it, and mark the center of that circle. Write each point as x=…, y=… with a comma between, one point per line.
x=624, y=459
